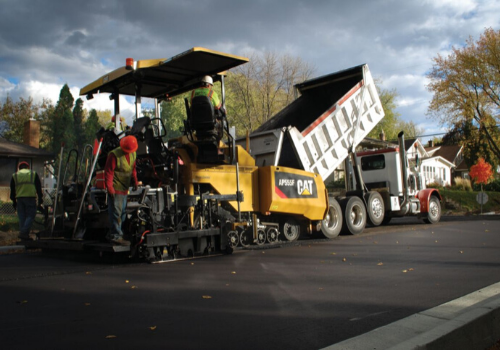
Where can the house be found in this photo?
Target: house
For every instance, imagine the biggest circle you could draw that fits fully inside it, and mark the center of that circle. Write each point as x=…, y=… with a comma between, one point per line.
x=452, y=153
x=11, y=153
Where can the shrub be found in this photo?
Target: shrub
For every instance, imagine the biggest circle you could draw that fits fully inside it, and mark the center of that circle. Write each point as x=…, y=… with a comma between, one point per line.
x=493, y=186
x=462, y=184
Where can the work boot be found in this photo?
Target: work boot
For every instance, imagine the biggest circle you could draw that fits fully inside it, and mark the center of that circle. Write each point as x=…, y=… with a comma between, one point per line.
x=120, y=241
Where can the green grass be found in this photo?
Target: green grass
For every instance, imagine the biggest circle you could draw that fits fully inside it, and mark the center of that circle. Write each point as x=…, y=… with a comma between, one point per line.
x=465, y=201
x=10, y=223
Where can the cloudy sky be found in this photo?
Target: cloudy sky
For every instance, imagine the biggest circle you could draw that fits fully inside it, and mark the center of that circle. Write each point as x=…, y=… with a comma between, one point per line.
x=45, y=44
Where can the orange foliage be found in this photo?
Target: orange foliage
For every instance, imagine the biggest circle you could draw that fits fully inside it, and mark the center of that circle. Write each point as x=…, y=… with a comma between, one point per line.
x=481, y=172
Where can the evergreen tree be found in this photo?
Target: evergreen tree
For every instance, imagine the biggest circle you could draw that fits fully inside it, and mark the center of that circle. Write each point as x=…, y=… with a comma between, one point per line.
x=62, y=122
x=78, y=119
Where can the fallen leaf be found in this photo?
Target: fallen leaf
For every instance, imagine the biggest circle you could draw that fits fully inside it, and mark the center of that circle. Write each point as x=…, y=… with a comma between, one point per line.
x=87, y=304
x=461, y=252
x=88, y=273
x=320, y=288
x=334, y=253
x=410, y=269
x=133, y=287
x=397, y=242
x=207, y=297
x=380, y=264
x=405, y=271
x=23, y=302
x=486, y=230
x=263, y=252
x=152, y=328
x=233, y=272
x=127, y=281
x=344, y=259
x=192, y=263
x=110, y=336
x=435, y=241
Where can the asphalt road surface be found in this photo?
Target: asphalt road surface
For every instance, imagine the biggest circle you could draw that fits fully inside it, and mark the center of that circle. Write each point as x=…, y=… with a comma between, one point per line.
x=301, y=296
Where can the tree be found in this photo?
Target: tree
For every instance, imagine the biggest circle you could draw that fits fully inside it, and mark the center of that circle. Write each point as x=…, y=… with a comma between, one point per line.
x=173, y=114
x=261, y=88
x=474, y=142
x=91, y=127
x=392, y=124
x=78, y=120
x=13, y=115
x=466, y=86
x=62, y=122
x=481, y=172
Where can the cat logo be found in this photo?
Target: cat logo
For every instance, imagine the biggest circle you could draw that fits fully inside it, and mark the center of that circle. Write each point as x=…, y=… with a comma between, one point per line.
x=305, y=187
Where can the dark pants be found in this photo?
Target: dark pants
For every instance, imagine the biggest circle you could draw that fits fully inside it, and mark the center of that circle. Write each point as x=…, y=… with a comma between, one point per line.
x=117, y=214
x=26, y=212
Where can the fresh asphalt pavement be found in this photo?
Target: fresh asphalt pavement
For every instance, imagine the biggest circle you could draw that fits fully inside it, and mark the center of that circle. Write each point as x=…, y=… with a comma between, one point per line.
x=300, y=296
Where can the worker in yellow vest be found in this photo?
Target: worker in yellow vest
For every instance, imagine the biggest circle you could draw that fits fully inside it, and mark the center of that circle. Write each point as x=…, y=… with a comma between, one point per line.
x=119, y=174
x=206, y=89
x=25, y=186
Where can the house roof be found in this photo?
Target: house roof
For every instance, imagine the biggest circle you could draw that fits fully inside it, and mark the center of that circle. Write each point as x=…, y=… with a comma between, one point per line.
x=449, y=153
x=14, y=149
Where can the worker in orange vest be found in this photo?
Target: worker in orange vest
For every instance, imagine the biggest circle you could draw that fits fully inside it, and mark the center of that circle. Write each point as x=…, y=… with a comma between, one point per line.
x=119, y=174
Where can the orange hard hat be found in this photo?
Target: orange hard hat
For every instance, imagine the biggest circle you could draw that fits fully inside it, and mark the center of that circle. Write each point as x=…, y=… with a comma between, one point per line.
x=129, y=144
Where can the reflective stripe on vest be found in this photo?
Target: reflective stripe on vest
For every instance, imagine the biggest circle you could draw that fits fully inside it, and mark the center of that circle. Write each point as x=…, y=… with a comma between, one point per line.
x=123, y=171
x=25, y=183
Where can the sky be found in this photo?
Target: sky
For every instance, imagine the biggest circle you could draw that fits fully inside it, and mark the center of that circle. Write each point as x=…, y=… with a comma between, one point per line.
x=46, y=44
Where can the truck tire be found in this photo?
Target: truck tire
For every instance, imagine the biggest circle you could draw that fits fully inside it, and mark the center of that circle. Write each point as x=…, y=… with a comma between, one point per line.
x=434, y=214
x=332, y=223
x=375, y=208
x=354, y=215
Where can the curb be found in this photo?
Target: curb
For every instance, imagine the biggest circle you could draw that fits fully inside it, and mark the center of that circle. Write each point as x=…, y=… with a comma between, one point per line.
x=12, y=249
x=469, y=322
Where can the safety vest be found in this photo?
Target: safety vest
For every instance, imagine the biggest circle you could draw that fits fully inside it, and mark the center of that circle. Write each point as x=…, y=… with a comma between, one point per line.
x=123, y=170
x=207, y=91
x=25, y=183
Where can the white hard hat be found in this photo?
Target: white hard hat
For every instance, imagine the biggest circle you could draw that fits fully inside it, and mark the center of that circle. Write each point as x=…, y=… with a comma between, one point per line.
x=207, y=79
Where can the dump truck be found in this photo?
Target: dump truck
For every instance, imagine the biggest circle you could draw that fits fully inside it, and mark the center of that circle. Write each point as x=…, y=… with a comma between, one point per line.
x=319, y=133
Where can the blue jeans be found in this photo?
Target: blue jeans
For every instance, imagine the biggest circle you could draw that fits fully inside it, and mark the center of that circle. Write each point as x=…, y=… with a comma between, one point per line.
x=117, y=215
x=26, y=212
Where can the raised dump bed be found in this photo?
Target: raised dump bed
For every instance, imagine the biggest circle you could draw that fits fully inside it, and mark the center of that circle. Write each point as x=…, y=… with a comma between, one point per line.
x=316, y=132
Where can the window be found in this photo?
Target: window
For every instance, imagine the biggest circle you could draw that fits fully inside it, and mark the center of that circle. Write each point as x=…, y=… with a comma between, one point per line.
x=376, y=162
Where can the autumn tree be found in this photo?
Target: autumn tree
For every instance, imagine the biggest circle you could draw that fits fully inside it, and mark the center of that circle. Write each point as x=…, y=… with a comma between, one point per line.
x=481, y=172
x=13, y=115
x=473, y=141
x=466, y=87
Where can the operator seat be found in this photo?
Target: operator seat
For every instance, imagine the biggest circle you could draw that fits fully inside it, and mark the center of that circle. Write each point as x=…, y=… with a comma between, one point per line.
x=202, y=119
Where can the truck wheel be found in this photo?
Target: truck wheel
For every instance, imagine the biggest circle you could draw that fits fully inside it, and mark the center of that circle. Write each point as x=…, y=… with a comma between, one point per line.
x=374, y=208
x=332, y=223
x=354, y=215
x=434, y=214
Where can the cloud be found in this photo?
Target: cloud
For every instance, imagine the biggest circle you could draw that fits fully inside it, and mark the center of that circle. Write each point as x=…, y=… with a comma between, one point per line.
x=45, y=45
